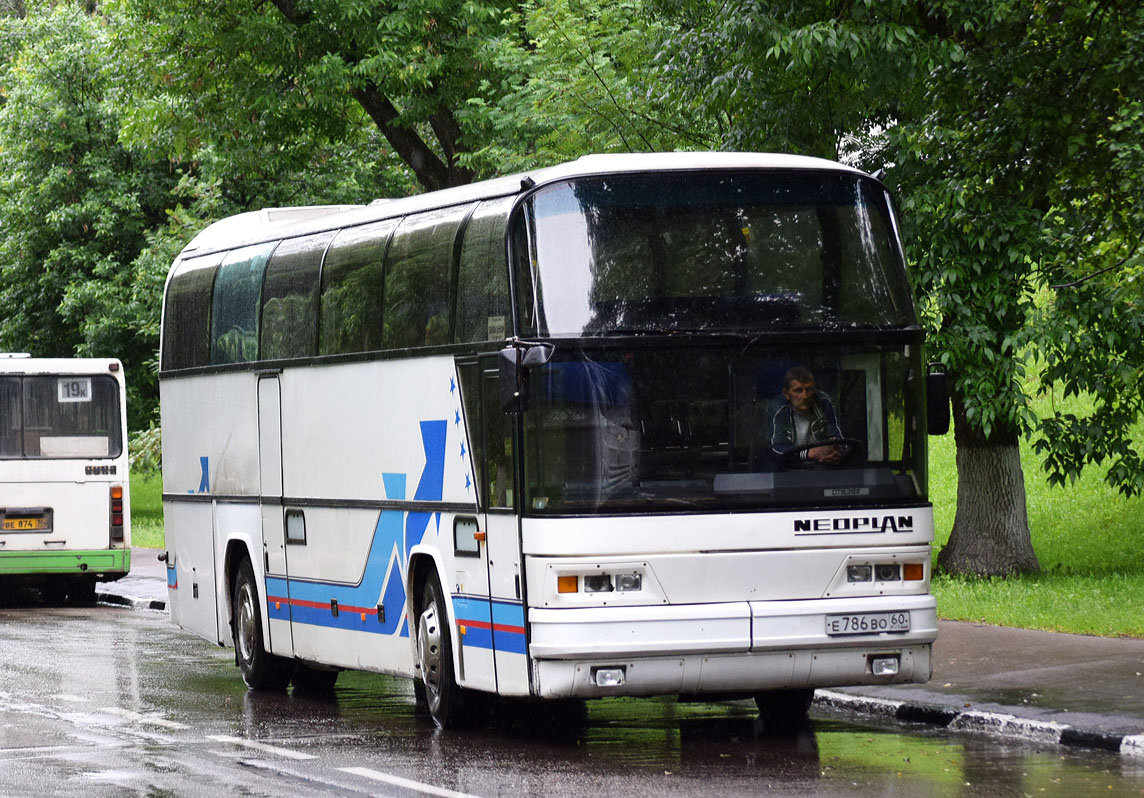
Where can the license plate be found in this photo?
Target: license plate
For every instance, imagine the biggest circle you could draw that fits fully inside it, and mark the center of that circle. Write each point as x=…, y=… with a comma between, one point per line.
x=23, y=524
x=867, y=623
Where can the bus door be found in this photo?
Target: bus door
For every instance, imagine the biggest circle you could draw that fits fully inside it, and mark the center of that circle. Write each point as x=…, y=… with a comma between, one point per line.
x=270, y=477
x=488, y=552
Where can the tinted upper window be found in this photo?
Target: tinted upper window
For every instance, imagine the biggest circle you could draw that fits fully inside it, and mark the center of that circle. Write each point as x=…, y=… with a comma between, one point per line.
x=187, y=314
x=351, y=290
x=11, y=426
x=235, y=305
x=290, y=298
x=60, y=416
x=418, y=269
x=709, y=251
x=482, y=281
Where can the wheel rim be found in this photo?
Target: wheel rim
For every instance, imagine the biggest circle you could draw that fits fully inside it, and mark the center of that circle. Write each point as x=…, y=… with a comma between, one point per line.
x=429, y=653
x=244, y=623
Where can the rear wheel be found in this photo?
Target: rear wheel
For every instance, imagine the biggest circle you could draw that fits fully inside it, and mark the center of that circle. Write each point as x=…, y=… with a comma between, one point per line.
x=444, y=698
x=260, y=669
x=82, y=590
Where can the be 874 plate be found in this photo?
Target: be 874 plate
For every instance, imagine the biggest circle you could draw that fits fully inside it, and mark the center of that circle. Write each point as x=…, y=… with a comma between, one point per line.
x=867, y=623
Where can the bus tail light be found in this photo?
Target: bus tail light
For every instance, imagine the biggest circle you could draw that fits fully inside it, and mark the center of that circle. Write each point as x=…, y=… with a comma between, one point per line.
x=117, y=513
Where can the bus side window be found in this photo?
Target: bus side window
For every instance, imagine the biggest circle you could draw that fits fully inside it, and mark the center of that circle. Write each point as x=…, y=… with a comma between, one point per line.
x=11, y=424
x=186, y=318
x=350, y=310
x=417, y=271
x=235, y=305
x=290, y=298
x=498, y=442
x=490, y=433
x=482, y=283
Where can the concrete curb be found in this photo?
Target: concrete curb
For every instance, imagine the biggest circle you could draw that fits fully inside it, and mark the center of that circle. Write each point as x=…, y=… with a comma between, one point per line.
x=992, y=723
x=128, y=601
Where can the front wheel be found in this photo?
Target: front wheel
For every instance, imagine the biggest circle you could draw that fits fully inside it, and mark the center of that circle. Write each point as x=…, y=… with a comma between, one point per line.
x=444, y=698
x=784, y=709
x=260, y=669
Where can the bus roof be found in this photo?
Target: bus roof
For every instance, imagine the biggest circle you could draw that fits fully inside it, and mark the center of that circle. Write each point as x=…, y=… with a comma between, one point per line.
x=271, y=224
x=20, y=363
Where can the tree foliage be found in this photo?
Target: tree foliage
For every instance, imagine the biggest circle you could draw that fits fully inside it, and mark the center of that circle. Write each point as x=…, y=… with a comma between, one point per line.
x=75, y=205
x=580, y=77
x=289, y=75
x=1012, y=130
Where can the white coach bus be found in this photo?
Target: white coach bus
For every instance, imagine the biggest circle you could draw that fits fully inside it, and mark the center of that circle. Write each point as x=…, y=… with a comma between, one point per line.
x=65, y=521
x=526, y=437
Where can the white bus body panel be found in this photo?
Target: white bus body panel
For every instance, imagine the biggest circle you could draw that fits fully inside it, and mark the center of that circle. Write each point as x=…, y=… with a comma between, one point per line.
x=368, y=452
x=733, y=616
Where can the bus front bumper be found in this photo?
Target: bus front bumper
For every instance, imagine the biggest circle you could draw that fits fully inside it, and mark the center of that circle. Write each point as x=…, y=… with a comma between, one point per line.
x=732, y=648
x=104, y=565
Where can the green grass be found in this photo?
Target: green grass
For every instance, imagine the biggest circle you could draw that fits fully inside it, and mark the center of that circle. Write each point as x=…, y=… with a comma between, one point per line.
x=147, y=510
x=1090, y=543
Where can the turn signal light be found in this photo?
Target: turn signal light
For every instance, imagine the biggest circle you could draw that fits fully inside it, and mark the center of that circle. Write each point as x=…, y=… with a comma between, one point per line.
x=567, y=584
x=913, y=572
x=116, y=513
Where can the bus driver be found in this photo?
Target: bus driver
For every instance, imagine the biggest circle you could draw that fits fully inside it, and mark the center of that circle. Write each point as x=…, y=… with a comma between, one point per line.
x=801, y=416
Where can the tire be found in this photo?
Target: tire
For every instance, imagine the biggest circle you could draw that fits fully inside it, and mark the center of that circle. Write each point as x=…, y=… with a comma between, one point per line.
x=260, y=669
x=309, y=680
x=82, y=591
x=54, y=592
x=784, y=709
x=444, y=698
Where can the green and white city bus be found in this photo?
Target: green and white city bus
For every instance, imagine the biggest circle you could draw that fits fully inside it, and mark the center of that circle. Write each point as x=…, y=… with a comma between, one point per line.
x=65, y=522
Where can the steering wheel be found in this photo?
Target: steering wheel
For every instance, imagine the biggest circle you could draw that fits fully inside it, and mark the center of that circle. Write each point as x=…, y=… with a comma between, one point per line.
x=853, y=450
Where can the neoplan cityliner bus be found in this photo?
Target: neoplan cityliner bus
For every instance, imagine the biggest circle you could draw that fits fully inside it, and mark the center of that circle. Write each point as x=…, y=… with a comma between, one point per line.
x=515, y=437
x=65, y=521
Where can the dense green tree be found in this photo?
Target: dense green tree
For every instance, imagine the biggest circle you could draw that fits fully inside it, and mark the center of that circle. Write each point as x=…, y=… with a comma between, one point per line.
x=285, y=74
x=1013, y=135
x=75, y=205
x=581, y=77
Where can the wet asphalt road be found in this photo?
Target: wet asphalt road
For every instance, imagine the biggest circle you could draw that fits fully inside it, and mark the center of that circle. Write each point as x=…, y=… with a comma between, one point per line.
x=108, y=701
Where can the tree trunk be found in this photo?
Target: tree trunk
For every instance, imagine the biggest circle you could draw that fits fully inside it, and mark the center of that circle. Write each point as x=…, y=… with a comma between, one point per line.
x=990, y=534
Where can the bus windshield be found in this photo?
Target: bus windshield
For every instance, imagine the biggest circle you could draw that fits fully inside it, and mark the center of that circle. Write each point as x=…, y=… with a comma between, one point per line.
x=693, y=251
x=633, y=429
x=59, y=416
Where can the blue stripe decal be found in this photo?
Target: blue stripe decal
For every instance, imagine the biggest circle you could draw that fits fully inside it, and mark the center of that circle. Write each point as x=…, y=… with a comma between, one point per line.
x=494, y=625
x=307, y=601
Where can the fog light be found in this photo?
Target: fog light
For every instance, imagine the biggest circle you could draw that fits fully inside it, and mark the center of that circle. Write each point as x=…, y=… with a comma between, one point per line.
x=608, y=677
x=859, y=573
x=628, y=582
x=884, y=666
x=598, y=583
x=887, y=573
